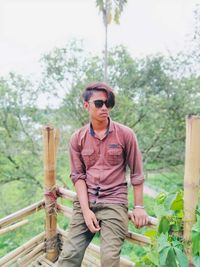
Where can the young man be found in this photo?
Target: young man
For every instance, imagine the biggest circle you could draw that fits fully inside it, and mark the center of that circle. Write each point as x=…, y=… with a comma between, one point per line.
x=99, y=153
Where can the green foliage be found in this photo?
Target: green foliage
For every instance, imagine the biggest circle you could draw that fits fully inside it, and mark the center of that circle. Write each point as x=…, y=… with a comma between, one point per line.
x=111, y=10
x=161, y=179
x=196, y=239
x=167, y=244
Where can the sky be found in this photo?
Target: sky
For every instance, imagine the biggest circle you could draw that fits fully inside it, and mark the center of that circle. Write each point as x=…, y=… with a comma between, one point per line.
x=30, y=28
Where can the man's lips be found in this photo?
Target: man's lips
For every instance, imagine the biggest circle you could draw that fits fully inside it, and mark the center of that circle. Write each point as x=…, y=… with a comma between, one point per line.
x=103, y=114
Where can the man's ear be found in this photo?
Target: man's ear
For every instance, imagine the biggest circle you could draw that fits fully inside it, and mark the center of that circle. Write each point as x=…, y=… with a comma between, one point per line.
x=86, y=105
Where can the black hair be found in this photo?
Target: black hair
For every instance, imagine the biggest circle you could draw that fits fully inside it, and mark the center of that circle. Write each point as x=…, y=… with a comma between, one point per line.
x=99, y=86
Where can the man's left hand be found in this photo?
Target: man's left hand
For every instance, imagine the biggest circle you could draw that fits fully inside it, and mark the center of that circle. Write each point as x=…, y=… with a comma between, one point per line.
x=139, y=217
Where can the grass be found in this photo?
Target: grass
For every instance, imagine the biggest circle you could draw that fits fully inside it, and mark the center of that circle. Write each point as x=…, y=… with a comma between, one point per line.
x=161, y=182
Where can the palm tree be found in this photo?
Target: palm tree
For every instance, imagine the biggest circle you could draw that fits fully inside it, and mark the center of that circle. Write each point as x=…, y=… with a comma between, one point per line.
x=111, y=11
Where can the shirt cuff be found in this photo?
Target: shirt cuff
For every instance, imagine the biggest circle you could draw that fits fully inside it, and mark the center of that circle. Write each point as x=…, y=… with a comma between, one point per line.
x=75, y=177
x=137, y=180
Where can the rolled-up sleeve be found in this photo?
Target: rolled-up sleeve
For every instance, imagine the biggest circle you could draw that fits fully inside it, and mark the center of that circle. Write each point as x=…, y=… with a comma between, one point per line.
x=134, y=159
x=77, y=165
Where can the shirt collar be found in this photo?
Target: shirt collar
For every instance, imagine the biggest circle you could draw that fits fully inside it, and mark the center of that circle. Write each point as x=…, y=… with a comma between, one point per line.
x=108, y=130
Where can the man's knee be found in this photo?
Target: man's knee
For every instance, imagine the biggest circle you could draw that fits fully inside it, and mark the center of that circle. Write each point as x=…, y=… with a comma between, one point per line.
x=110, y=258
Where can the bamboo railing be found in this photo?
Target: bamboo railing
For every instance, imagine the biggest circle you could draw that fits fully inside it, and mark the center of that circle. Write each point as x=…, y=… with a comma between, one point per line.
x=36, y=249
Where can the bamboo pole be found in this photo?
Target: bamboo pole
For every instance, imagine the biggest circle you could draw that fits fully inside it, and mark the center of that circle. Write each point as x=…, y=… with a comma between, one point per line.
x=31, y=261
x=22, y=261
x=138, y=238
x=67, y=194
x=15, y=253
x=21, y=213
x=50, y=137
x=44, y=261
x=13, y=227
x=191, y=177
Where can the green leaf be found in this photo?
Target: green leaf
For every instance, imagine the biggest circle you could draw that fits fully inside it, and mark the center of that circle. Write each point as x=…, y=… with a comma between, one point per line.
x=196, y=227
x=196, y=261
x=171, y=259
x=196, y=242
x=163, y=255
x=169, y=200
x=177, y=203
x=153, y=257
x=161, y=198
x=177, y=243
x=163, y=225
x=182, y=259
x=151, y=233
x=159, y=210
x=163, y=242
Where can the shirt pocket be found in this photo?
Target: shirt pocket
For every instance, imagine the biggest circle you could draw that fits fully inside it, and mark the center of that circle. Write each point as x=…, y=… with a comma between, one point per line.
x=89, y=157
x=114, y=156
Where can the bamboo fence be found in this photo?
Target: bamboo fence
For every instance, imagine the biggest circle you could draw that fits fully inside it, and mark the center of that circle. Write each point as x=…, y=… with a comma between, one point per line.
x=35, y=250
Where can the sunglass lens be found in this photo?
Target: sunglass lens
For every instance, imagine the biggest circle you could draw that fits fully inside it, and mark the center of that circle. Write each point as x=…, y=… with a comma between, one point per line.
x=107, y=103
x=98, y=103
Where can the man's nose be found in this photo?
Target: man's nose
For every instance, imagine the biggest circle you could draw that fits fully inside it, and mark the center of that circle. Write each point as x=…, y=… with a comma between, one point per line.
x=104, y=106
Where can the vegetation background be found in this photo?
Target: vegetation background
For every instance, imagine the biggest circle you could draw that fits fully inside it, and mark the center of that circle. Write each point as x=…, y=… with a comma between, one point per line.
x=154, y=94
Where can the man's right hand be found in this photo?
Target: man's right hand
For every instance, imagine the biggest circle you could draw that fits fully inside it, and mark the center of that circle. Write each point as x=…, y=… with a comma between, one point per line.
x=91, y=221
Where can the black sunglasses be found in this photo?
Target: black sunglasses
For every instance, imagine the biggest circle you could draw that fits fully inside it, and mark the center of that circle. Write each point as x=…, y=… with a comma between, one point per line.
x=100, y=103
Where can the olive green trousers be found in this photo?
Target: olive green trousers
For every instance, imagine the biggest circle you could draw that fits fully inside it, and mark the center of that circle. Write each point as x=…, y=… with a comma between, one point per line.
x=113, y=219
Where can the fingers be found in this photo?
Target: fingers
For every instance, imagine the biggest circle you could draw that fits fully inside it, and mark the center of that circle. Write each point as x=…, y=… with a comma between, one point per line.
x=139, y=219
x=96, y=223
x=94, y=226
x=92, y=222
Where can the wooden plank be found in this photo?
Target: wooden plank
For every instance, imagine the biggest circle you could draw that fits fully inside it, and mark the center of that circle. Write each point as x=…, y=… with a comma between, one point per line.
x=29, y=263
x=13, y=227
x=30, y=255
x=15, y=253
x=44, y=260
x=21, y=213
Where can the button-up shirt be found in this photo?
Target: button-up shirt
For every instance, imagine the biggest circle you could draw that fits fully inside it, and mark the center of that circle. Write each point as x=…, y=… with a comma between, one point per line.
x=102, y=163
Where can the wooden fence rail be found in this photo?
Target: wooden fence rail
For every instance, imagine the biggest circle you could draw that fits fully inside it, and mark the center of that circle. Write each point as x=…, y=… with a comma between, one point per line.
x=21, y=213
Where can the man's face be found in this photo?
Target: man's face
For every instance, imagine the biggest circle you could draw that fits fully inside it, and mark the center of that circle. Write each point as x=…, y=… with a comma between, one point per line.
x=97, y=113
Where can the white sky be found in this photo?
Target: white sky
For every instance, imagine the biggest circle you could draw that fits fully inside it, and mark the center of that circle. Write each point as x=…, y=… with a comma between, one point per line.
x=28, y=28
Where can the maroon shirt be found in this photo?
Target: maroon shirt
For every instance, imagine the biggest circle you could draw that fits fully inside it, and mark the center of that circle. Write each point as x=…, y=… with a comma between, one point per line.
x=102, y=163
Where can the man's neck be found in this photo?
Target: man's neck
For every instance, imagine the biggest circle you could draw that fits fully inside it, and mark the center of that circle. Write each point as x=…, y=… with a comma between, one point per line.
x=99, y=126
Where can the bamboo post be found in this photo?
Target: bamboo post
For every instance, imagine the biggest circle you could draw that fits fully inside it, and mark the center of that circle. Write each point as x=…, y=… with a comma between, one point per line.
x=191, y=177
x=50, y=136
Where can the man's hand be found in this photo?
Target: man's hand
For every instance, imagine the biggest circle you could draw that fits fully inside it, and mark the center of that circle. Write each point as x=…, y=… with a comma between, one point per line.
x=139, y=217
x=91, y=221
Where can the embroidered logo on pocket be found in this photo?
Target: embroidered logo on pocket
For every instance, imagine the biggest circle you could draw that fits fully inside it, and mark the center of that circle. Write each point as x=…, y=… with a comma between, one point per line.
x=113, y=146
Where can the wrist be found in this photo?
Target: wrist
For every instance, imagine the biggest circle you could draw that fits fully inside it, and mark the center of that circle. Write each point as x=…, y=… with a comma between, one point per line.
x=138, y=207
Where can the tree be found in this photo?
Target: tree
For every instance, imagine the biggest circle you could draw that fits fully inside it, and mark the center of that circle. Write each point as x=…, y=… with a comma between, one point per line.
x=111, y=10
x=150, y=98
x=20, y=150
